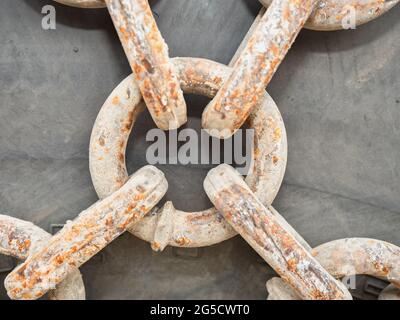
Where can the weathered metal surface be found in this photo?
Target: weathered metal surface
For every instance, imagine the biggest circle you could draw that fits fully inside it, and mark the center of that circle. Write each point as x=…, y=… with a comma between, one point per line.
x=90, y=232
x=190, y=229
x=147, y=54
x=327, y=16
x=258, y=62
x=269, y=238
x=360, y=256
x=20, y=239
x=354, y=256
x=331, y=15
x=247, y=37
x=161, y=224
x=90, y=4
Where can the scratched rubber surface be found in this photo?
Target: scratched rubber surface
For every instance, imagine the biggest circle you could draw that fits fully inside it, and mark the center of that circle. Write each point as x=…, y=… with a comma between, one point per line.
x=339, y=94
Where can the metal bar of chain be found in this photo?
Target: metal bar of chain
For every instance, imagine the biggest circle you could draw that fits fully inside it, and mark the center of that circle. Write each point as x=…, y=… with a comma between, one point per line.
x=263, y=231
x=332, y=15
x=148, y=56
x=349, y=257
x=329, y=15
x=90, y=232
x=20, y=239
x=247, y=37
x=267, y=47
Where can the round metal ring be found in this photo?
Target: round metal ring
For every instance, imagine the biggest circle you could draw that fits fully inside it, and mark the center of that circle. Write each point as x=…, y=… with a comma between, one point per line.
x=20, y=239
x=349, y=257
x=169, y=226
x=330, y=14
x=87, y=4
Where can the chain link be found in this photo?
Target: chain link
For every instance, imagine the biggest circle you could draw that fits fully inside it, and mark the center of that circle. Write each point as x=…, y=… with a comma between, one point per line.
x=20, y=239
x=241, y=206
x=185, y=229
x=331, y=15
x=350, y=257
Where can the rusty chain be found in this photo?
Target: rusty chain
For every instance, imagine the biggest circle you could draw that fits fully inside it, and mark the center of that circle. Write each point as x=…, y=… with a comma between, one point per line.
x=328, y=15
x=195, y=229
x=348, y=257
x=241, y=206
x=20, y=239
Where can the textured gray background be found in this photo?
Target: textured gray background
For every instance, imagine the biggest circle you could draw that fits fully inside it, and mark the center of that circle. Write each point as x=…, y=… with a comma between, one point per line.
x=339, y=94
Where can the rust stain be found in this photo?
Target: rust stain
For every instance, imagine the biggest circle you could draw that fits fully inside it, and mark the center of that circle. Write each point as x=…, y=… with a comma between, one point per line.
x=258, y=62
x=147, y=53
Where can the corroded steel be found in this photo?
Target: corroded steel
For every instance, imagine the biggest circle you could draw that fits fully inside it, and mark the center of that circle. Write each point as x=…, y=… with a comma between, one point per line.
x=247, y=37
x=354, y=256
x=90, y=232
x=330, y=14
x=258, y=62
x=360, y=256
x=190, y=229
x=268, y=237
x=239, y=95
x=327, y=16
x=90, y=4
x=20, y=239
x=147, y=54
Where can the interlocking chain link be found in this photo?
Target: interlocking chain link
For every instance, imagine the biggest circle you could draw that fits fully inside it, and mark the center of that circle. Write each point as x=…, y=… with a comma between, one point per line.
x=185, y=229
x=269, y=237
x=327, y=16
x=20, y=239
x=256, y=65
x=242, y=206
x=90, y=232
x=330, y=15
x=148, y=56
x=265, y=49
x=349, y=257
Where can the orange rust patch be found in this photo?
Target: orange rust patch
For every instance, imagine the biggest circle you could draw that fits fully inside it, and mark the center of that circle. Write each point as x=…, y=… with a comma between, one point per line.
x=59, y=259
x=129, y=121
x=277, y=133
x=381, y=268
x=131, y=207
x=115, y=100
x=199, y=218
x=292, y=265
x=22, y=247
x=124, y=33
x=182, y=241
x=155, y=246
x=139, y=197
